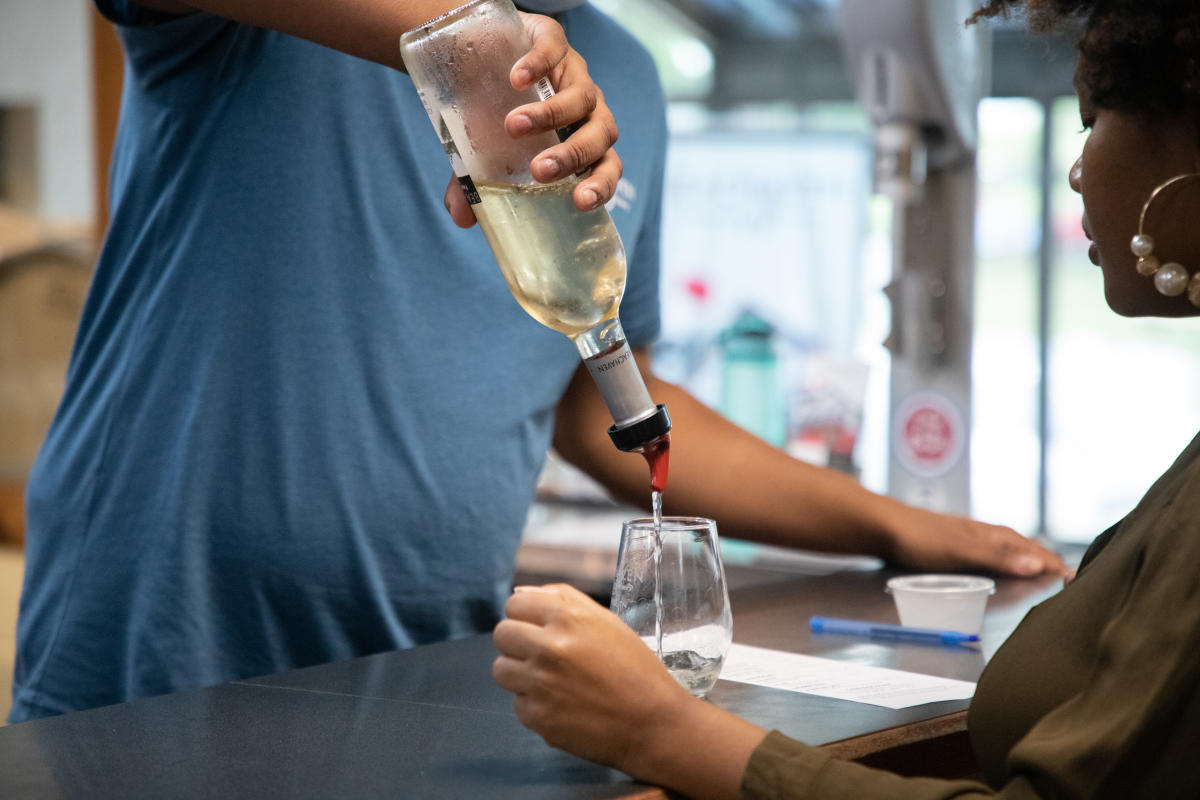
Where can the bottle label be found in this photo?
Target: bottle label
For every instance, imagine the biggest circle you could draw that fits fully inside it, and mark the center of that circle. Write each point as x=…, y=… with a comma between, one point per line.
x=456, y=161
x=451, y=149
x=469, y=190
x=620, y=383
x=600, y=364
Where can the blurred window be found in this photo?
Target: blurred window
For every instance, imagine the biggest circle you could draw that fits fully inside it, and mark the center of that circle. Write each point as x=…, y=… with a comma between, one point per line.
x=769, y=212
x=1005, y=454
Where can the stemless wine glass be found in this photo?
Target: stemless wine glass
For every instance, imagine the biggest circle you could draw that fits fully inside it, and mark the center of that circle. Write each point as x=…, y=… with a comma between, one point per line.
x=690, y=611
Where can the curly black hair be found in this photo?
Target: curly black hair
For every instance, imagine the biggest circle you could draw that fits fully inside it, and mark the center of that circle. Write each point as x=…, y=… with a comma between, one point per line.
x=1135, y=56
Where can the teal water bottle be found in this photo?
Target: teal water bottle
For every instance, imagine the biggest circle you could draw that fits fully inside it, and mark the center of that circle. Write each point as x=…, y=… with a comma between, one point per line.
x=751, y=395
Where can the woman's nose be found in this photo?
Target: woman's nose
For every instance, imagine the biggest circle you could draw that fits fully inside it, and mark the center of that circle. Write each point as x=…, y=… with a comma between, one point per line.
x=1074, y=175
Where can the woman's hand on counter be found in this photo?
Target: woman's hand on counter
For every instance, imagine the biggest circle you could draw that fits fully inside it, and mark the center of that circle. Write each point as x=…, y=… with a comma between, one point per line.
x=587, y=684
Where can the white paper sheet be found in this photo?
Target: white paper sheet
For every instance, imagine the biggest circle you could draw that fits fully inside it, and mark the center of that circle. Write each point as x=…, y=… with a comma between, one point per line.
x=877, y=686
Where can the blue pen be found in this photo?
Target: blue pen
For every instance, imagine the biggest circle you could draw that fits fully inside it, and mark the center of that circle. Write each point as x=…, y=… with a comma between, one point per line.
x=881, y=630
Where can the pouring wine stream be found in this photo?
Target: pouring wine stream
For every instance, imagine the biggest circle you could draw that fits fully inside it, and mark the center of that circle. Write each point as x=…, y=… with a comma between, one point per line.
x=658, y=457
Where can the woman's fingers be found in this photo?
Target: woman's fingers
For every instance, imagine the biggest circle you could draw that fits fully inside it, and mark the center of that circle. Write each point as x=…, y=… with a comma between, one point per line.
x=524, y=639
x=516, y=639
x=513, y=675
x=540, y=605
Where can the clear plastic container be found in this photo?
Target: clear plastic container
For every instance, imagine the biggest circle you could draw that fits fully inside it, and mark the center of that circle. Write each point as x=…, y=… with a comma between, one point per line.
x=943, y=602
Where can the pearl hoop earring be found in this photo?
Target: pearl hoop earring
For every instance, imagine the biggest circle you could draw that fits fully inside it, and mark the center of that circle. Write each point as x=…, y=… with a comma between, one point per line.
x=1170, y=279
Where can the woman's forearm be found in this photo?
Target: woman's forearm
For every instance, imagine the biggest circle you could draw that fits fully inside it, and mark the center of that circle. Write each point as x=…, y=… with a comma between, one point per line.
x=702, y=752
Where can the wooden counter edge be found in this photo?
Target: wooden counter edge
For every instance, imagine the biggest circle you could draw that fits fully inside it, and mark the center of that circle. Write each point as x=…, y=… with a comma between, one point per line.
x=935, y=748
x=911, y=733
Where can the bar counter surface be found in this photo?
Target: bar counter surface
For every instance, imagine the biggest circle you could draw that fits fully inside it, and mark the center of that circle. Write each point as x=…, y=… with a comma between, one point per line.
x=430, y=723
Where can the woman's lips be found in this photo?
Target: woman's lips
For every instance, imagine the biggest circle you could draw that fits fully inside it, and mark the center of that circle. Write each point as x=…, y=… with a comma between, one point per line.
x=1093, y=251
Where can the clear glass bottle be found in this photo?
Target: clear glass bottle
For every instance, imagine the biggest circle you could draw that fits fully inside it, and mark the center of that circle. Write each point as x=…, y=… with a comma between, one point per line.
x=565, y=267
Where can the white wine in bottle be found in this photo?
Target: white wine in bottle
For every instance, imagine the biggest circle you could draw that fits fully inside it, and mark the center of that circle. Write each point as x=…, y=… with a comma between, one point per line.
x=564, y=266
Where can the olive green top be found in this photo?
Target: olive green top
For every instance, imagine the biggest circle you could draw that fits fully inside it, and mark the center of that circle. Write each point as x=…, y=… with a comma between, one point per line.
x=1096, y=694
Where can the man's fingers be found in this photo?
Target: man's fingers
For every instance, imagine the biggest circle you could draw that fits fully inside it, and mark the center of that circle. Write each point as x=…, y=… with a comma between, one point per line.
x=1033, y=559
x=589, y=148
x=548, y=47
x=601, y=184
x=562, y=109
x=1004, y=550
x=579, y=104
x=457, y=205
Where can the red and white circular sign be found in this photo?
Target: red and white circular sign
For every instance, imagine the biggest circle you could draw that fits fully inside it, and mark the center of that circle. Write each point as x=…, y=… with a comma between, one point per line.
x=928, y=434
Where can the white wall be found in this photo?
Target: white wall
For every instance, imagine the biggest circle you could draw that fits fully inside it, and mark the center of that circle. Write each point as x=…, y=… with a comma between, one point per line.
x=45, y=60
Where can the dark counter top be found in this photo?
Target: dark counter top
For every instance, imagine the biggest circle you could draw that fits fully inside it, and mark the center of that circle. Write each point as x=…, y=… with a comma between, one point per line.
x=426, y=722
x=429, y=722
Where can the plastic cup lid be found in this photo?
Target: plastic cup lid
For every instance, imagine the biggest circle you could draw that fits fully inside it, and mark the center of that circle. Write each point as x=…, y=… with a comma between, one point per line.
x=942, y=585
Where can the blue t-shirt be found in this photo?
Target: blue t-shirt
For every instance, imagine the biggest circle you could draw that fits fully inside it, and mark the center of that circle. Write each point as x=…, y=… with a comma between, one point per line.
x=304, y=417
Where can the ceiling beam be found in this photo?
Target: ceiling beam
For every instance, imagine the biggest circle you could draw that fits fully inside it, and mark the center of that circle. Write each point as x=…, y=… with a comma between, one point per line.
x=811, y=69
